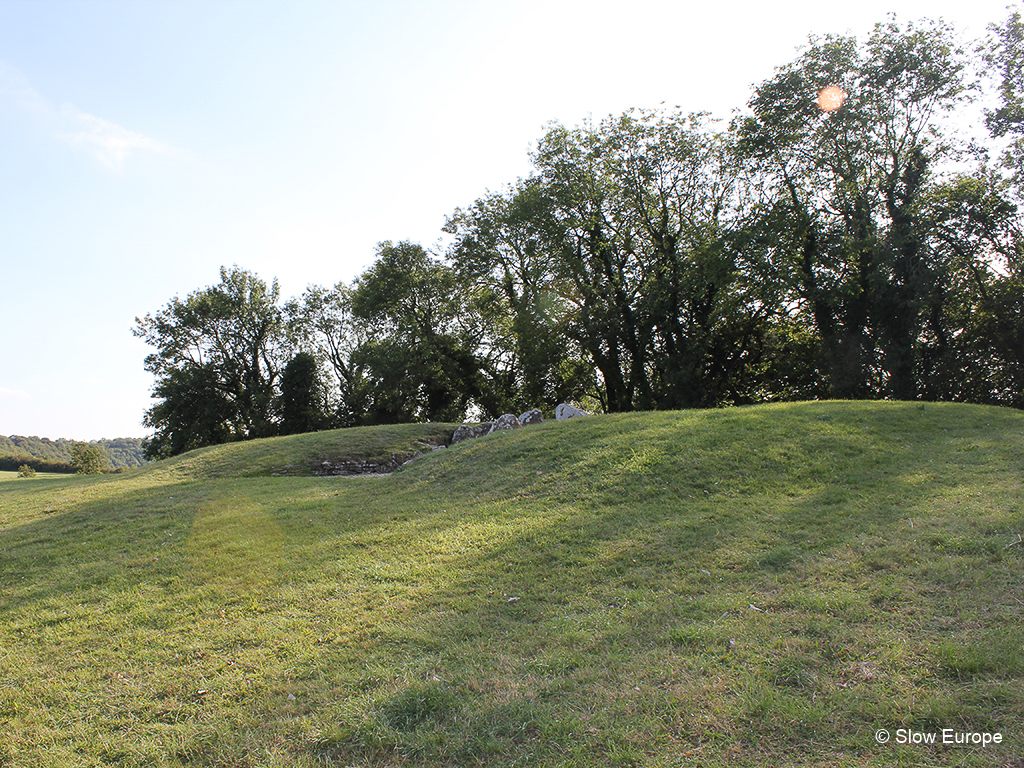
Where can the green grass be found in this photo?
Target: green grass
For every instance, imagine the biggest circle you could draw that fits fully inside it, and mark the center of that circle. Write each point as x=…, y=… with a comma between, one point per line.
x=5, y=475
x=742, y=587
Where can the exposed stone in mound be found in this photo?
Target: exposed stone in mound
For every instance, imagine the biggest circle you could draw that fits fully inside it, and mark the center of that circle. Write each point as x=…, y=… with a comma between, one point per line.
x=505, y=421
x=532, y=416
x=467, y=432
x=565, y=411
x=362, y=467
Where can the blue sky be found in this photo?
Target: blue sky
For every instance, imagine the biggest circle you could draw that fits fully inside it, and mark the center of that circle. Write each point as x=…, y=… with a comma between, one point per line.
x=144, y=144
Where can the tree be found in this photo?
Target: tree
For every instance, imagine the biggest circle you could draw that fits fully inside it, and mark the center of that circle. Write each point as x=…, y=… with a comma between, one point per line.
x=218, y=356
x=971, y=344
x=822, y=246
x=302, y=398
x=617, y=251
x=676, y=181
x=420, y=364
x=321, y=321
x=89, y=458
x=1004, y=56
x=502, y=252
x=844, y=192
x=26, y=471
x=193, y=411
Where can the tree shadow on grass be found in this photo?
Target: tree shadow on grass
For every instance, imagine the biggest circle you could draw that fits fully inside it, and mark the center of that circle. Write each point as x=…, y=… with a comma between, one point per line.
x=568, y=603
x=545, y=605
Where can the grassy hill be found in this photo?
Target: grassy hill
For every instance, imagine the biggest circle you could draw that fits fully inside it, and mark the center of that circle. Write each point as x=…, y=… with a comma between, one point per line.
x=747, y=587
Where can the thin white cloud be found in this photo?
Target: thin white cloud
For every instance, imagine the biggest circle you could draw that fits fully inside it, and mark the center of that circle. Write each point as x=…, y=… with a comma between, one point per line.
x=6, y=393
x=15, y=88
x=109, y=142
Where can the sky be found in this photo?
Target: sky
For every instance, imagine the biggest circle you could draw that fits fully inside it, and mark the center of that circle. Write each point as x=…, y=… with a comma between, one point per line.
x=145, y=144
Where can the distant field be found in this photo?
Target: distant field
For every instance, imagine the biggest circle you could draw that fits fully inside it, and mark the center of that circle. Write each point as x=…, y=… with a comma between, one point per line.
x=764, y=586
x=14, y=475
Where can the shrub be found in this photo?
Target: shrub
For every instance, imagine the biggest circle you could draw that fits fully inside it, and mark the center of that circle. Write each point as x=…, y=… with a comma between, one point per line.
x=26, y=471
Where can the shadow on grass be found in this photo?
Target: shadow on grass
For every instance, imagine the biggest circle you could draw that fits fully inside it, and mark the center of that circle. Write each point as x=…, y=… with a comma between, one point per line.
x=609, y=593
x=801, y=587
x=98, y=544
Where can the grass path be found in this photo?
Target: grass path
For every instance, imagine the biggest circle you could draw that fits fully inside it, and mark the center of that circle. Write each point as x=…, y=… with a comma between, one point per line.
x=757, y=586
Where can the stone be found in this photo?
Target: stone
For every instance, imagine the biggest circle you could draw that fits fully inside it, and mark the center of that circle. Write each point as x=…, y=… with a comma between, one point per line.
x=468, y=432
x=532, y=416
x=565, y=411
x=505, y=421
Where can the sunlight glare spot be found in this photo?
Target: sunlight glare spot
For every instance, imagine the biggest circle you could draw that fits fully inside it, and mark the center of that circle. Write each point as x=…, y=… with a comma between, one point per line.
x=831, y=98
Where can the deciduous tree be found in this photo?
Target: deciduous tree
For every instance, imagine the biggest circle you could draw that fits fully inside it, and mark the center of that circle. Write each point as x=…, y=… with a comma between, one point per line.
x=321, y=321
x=302, y=396
x=503, y=251
x=1004, y=56
x=218, y=356
x=618, y=252
x=89, y=458
x=421, y=363
x=846, y=184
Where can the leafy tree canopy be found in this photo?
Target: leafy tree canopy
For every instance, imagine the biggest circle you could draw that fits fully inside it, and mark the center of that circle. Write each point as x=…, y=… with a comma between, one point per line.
x=217, y=360
x=834, y=241
x=89, y=458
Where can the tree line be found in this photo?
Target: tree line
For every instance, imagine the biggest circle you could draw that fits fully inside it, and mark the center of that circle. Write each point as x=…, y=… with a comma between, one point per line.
x=846, y=237
x=45, y=455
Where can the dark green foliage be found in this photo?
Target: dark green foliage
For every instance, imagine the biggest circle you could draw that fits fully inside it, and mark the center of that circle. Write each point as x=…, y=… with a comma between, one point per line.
x=789, y=367
x=618, y=268
x=658, y=260
x=421, y=364
x=219, y=355
x=999, y=332
x=501, y=252
x=192, y=412
x=322, y=322
x=302, y=398
x=971, y=340
x=14, y=463
x=845, y=191
x=646, y=202
x=89, y=458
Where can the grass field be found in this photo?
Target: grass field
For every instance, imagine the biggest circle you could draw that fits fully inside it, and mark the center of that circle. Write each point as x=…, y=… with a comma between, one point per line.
x=4, y=475
x=762, y=586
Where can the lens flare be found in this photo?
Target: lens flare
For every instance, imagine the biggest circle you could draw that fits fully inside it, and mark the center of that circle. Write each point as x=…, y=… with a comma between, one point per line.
x=831, y=98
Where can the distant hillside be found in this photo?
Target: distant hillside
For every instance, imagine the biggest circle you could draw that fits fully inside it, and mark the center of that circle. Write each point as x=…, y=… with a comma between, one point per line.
x=48, y=455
